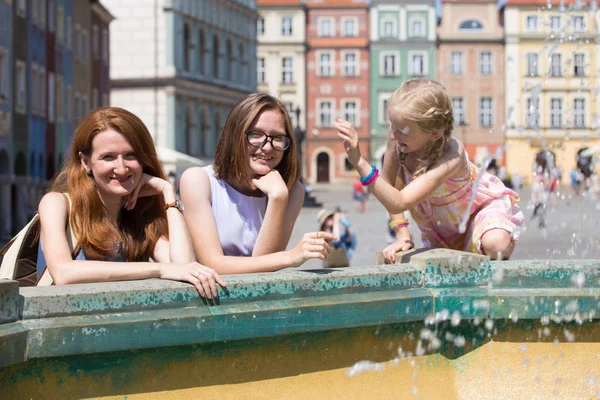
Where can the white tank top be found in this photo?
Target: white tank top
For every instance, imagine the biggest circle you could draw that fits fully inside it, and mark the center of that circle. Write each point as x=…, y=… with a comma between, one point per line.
x=238, y=217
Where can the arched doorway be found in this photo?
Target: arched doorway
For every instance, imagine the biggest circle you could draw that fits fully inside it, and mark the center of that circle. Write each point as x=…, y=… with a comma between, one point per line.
x=323, y=168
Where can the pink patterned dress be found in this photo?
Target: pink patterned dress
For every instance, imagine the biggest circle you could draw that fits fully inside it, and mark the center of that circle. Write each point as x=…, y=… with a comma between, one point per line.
x=451, y=218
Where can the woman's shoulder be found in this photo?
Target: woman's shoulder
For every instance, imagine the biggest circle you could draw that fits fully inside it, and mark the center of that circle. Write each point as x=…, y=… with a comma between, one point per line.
x=53, y=205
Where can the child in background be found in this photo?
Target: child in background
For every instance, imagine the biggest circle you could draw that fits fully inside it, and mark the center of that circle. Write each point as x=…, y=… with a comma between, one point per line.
x=342, y=250
x=455, y=205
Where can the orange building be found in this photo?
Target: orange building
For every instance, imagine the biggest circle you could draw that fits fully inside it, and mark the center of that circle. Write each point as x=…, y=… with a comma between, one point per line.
x=337, y=84
x=471, y=65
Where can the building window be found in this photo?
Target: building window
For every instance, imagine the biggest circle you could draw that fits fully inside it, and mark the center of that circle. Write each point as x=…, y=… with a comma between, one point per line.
x=417, y=65
x=42, y=100
x=70, y=112
x=260, y=26
x=555, y=22
x=3, y=75
x=470, y=25
x=579, y=64
x=485, y=61
x=456, y=63
x=105, y=102
x=188, y=47
x=60, y=28
x=85, y=53
x=22, y=8
x=95, y=42
x=533, y=112
x=350, y=64
x=579, y=23
x=485, y=111
x=325, y=111
x=388, y=28
x=458, y=110
x=105, y=45
x=416, y=27
x=326, y=27
x=351, y=113
x=35, y=87
x=60, y=110
x=51, y=15
x=288, y=70
x=325, y=64
x=532, y=64
x=579, y=113
x=532, y=23
x=77, y=42
x=383, y=107
x=390, y=65
x=286, y=26
x=94, y=98
x=555, y=65
x=350, y=26
x=260, y=70
x=556, y=113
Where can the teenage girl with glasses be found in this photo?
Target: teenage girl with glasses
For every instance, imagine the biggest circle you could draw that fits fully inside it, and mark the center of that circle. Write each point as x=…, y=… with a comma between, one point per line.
x=241, y=210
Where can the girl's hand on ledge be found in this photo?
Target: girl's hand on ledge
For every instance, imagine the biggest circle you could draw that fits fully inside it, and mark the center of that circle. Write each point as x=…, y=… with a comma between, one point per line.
x=401, y=244
x=312, y=245
x=203, y=278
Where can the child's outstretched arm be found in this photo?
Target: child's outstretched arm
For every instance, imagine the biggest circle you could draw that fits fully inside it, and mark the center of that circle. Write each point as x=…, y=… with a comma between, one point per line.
x=393, y=200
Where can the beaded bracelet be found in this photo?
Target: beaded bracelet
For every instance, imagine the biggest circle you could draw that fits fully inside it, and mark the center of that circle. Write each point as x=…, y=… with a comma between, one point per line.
x=397, y=223
x=372, y=178
x=366, y=178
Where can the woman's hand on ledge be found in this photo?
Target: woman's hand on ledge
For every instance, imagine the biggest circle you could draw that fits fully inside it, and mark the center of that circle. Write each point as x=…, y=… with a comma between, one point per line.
x=401, y=244
x=203, y=278
x=312, y=245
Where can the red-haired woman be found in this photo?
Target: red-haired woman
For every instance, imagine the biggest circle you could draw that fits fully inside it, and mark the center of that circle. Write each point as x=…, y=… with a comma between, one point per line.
x=121, y=208
x=241, y=210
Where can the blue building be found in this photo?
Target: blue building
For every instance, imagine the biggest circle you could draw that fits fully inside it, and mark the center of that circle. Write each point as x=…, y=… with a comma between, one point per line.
x=6, y=97
x=64, y=78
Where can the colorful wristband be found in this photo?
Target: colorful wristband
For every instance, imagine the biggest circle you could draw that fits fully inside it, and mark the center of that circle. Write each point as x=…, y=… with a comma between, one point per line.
x=366, y=178
x=398, y=223
x=372, y=178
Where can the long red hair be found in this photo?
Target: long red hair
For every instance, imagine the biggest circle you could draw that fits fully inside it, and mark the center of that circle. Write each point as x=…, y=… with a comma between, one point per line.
x=138, y=229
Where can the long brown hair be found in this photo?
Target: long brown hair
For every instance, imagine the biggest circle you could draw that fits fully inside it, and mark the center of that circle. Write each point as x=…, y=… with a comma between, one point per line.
x=424, y=103
x=231, y=157
x=138, y=229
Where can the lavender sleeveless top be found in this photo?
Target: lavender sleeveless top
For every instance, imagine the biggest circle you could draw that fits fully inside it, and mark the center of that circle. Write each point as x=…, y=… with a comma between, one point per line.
x=238, y=217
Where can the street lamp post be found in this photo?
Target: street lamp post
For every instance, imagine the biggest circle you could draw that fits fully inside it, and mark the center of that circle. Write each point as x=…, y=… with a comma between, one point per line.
x=300, y=135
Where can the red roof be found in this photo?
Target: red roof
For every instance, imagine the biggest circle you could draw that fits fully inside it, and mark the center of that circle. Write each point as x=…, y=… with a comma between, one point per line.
x=539, y=2
x=470, y=1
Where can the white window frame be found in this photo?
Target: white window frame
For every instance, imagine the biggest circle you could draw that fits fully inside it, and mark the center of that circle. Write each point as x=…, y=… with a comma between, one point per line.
x=384, y=98
x=456, y=68
x=321, y=21
x=394, y=23
x=555, y=23
x=532, y=62
x=355, y=65
x=287, y=71
x=261, y=70
x=556, y=107
x=580, y=64
x=411, y=30
x=555, y=65
x=486, y=114
x=458, y=110
x=260, y=26
x=319, y=112
x=354, y=31
x=355, y=120
x=485, y=66
x=21, y=86
x=331, y=63
x=287, y=26
x=556, y=110
x=532, y=113
x=411, y=56
x=4, y=75
x=95, y=42
x=51, y=97
x=382, y=63
x=579, y=113
x=579, y=27
x=532, y=23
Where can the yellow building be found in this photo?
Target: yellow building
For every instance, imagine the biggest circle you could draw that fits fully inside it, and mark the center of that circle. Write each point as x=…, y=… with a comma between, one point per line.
x=551, y=82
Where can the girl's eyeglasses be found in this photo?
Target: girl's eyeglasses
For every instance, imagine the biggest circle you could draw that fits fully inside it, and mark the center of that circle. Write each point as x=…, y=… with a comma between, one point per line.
x=258, y=139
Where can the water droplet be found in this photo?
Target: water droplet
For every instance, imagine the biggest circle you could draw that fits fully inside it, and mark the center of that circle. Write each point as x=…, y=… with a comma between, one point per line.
x=455, y=320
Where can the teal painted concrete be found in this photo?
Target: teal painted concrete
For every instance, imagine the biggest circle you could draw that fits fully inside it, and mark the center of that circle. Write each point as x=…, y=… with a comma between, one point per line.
x=9, y=301
x=436, y=287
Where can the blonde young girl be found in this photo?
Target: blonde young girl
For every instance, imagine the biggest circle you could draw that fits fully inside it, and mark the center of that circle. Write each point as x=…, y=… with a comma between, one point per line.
x=455, y=205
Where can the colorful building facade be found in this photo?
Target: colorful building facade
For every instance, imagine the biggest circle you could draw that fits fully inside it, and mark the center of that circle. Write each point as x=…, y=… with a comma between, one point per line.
x=337, y=85
x=193, y=61
x=551, y=82
x=403, y=46
x=470, y=64
x=6, y=113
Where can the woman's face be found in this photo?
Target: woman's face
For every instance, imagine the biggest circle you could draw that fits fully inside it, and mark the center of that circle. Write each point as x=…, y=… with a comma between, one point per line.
x=113, y=163
x=263, y=159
